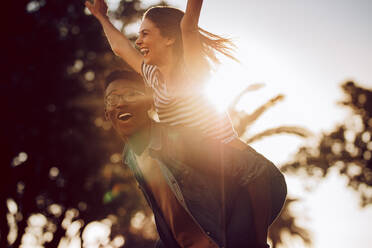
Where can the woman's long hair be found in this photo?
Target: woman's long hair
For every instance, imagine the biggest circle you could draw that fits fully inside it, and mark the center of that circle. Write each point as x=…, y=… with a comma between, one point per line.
x=168, y=20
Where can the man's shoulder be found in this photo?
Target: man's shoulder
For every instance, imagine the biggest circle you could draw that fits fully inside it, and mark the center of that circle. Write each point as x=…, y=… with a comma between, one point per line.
x=155, y=140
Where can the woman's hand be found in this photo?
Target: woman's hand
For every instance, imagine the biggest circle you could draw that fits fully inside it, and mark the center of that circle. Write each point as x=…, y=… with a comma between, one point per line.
x=120, y=44
x=98, y=8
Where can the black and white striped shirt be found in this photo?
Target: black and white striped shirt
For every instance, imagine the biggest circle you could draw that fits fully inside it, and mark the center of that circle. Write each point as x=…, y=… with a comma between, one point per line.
x=189, y=109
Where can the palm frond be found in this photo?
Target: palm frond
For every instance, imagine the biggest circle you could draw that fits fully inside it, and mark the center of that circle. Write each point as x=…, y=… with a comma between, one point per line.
x=251, y=87
x=248, y=119
x=299, y=131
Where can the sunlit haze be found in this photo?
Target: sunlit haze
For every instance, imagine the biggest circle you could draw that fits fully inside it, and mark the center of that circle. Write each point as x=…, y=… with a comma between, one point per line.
x=304, y=50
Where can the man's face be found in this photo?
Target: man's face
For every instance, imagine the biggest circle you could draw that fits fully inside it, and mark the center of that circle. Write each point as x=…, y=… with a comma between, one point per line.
x=128, y=114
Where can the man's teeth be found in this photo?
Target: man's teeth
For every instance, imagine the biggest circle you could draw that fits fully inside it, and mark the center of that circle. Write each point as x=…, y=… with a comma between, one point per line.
x=124, y=116
x=144, y=51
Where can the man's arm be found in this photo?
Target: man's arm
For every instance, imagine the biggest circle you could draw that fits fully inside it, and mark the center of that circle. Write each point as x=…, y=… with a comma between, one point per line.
x=119, y=43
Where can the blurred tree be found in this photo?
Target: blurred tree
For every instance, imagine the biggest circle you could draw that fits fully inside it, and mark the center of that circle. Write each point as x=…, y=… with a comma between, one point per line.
x=347, y=148
x=59, y=157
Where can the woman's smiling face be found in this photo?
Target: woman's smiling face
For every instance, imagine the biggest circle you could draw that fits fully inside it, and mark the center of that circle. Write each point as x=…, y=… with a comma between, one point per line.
x=153, y=46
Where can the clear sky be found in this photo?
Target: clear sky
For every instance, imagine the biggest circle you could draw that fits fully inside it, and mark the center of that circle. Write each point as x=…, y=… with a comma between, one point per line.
x=305, y=50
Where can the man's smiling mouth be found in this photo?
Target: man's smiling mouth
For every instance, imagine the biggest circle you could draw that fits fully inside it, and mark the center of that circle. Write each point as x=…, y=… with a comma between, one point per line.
x=124, y=116
x=144, y=51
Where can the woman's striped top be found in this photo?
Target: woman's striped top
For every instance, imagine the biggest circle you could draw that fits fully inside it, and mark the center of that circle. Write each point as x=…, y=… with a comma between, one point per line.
x=190, y=109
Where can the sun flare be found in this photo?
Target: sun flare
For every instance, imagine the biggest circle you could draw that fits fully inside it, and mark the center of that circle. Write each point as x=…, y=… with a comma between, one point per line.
x=223, y=86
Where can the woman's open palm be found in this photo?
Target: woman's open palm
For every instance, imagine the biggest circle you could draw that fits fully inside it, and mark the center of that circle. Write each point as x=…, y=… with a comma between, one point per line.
x=98, y=8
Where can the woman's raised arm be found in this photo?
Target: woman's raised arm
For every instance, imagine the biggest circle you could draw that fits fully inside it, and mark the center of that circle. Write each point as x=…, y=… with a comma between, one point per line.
x=119, y=43
x=193, y=50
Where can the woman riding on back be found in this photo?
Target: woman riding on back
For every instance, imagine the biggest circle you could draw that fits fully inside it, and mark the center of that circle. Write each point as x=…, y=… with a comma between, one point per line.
x=175, y=58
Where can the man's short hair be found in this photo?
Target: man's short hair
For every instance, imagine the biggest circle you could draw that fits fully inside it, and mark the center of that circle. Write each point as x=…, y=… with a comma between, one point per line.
x=126, y=75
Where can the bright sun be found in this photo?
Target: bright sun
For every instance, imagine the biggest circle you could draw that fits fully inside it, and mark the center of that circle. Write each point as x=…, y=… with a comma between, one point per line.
x=224, y=85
